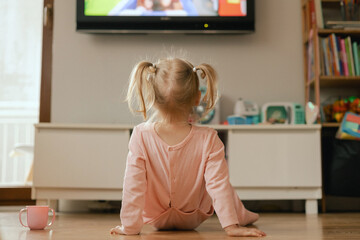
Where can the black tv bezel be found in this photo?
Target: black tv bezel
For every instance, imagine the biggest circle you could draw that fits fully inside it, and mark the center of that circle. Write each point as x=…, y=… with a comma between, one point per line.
x=156, y=24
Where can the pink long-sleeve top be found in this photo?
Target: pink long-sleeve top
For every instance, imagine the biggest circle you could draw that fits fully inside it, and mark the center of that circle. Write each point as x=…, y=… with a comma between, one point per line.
x=187, y=177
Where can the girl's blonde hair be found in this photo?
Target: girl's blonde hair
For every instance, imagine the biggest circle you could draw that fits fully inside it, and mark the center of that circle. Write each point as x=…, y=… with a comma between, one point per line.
x=171, y=86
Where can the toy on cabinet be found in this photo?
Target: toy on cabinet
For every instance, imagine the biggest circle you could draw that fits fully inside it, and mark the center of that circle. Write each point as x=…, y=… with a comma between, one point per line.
x=245, y=112
x=283, y=113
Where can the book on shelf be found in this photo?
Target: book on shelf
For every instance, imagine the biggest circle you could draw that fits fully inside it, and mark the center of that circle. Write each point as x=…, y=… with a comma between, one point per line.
x=350, y=56
x=344, y=57
x=343, y=16
x=347, y=50
x=330, y=51
x=324, y=58
x=341, y=61
x=334, y=48
x=327, y=57
x=338, y=56
x=356, y=58
x=359, y=56
x=349, y=10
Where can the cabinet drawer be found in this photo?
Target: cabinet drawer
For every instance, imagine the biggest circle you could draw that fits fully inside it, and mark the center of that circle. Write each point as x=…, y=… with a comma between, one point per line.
x=274, y=158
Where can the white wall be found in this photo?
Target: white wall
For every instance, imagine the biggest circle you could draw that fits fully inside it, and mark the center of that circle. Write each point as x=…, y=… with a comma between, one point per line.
x=90, y=72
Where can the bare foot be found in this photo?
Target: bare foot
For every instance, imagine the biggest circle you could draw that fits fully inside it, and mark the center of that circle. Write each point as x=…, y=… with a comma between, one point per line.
x=117, y=230
x=236, y=231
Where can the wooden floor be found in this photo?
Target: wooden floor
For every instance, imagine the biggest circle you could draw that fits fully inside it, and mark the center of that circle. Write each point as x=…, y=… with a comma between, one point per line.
x=96, y=226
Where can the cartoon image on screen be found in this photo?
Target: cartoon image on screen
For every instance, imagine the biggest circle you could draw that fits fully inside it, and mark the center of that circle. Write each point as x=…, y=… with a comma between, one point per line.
x=165, y=7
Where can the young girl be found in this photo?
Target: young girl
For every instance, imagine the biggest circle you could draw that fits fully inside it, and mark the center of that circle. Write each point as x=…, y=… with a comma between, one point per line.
x=176, y=172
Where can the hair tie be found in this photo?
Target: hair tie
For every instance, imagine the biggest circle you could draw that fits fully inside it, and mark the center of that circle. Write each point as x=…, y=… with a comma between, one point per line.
x=151, y=74
x=152, y=68
x=194, y=69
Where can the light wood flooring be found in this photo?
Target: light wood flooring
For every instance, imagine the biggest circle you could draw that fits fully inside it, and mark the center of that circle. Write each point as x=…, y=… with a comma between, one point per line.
x=277, y=226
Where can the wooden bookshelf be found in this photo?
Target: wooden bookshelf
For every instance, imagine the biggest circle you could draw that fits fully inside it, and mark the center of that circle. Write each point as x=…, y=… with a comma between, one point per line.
x=325, y=32
x=318, y=80
x=330, y=124
x=311, y=83
x=337, y=81
x=315, y=80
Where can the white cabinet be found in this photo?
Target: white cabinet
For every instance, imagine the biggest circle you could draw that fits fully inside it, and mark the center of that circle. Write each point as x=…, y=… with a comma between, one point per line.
x=265, y=161
x=274, y=157
x=276, y=162
x=79, y=161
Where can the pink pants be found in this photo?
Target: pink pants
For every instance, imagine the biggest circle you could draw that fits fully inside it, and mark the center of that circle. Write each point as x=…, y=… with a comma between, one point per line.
x=175, y=219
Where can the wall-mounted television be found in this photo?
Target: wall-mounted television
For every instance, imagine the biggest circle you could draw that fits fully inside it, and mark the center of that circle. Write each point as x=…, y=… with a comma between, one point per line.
x=166, y=16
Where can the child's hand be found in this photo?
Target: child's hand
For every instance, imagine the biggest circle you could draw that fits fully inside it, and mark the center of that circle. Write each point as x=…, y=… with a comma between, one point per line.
x=117, y=230
x=236, y=231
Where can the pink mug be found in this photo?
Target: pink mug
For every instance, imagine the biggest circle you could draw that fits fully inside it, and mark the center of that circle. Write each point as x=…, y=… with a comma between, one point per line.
x=37, y=217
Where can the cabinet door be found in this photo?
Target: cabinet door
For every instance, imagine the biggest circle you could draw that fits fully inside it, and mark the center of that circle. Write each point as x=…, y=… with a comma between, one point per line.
x=80, y=158
x=274, y=158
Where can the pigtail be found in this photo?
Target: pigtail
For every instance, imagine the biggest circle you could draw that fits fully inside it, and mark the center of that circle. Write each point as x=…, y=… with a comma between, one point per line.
x=141, y=90
x=211, y=95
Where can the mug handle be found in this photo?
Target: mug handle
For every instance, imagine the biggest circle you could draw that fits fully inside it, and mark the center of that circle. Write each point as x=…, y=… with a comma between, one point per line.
x=53, y=218
x=21, y=211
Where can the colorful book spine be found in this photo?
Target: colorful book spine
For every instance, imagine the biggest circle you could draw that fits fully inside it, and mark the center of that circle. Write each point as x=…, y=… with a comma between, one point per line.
x=342, y=10
x=341, y=64
x=356, y=58
x=351, y=57
x=326, y=58
x=331, y=56
x=344, y=57
x=348, y=56
x=322, y=58
x=335, y=54
x=359, y=54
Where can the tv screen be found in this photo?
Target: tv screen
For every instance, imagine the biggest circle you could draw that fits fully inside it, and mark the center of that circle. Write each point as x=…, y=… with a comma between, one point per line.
x=146, y=16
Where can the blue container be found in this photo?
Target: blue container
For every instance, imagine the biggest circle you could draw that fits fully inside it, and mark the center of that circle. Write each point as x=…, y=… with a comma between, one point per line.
x=236, y=120
x=252, y=119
